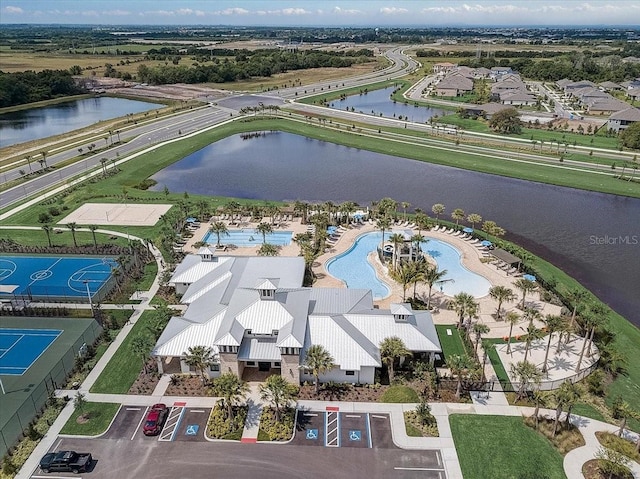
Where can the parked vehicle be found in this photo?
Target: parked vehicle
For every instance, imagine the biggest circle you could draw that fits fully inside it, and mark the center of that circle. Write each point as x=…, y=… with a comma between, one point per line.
x=66, y=461
x=156, y=417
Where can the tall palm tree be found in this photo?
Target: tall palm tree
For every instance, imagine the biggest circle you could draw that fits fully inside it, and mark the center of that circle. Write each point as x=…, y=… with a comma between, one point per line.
x=458, y=215
x=44, y=158
x=573, y=392
x=28, y=158
x=576, y=297
x=279, y=392
x=317, y=361
x=624, y=411
x=47, y=229
x=200, y=358
x=431, y=276
x=422, y=221
x=587, y=319
x=560, y=396
x=405, y=205
x=392, y=348
x=474, y=218
x=73, y=226
x=598, y=321
x=501, y=294
x=93, y=229
x=479, y=329
x=302, y=208
x=532, y=314
x=512, y=318
x=141, y=346
x=383, y=224
x=405, y=273
x=264, y=229
x=459, y=366
x=438, y=209
x=553, y=324
x=465, y=305
x=525, y=373
x=219, y=228
x=397, y=240
x=232, y=389
x=417, y=239
x=526, y=286
x=533, y=334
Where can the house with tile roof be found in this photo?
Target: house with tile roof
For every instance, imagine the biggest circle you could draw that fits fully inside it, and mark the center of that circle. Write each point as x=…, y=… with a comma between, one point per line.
x=257, y=318
x=621, y=120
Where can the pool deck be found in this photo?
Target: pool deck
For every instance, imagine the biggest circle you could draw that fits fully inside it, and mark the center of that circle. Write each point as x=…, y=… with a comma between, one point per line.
x=471, y=259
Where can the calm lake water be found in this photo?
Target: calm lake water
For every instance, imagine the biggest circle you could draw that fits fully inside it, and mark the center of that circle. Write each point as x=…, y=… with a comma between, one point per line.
x=377, y=102
x=36, y=123
x=593, y=237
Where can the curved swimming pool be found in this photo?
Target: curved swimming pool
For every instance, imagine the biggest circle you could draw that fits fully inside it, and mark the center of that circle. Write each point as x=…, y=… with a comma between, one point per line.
x=354, y=269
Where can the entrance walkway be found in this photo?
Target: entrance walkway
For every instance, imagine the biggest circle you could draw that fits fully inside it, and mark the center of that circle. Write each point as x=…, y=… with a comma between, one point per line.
x=252, y=424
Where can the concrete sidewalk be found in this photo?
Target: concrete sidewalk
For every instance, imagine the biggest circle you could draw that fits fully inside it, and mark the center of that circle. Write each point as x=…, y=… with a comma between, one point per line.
x=252, y=424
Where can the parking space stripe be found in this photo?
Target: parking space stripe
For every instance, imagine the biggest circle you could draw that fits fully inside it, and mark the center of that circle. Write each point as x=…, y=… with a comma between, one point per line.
x=368, y=425
x=332, y=429
x=140, y=423
x=172, y=423
x=416, y=469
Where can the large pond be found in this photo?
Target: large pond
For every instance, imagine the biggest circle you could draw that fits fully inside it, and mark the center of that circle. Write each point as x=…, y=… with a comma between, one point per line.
x=36, y=123
x=592, y=236
x=378, y=103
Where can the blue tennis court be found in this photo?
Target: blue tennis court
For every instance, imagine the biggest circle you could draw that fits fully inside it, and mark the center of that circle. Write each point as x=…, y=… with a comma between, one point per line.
x=53, y=276
x=19, y=348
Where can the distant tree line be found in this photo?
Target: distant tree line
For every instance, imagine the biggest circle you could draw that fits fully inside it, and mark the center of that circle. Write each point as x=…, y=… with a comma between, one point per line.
x=26, y=87
x=245, y=65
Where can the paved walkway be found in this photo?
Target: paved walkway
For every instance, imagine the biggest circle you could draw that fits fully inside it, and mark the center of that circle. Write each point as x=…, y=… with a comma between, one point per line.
x=252, y=424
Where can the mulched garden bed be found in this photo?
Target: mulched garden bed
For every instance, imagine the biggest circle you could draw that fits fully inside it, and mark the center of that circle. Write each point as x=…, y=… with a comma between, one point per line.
x=145, y=384
x=591, y=470
x=188, y=385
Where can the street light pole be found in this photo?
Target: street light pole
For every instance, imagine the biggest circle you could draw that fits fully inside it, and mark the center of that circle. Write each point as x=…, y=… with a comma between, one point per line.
x=89, y=296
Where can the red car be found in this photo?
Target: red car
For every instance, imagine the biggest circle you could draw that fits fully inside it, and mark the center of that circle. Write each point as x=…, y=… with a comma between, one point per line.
x=155, y=419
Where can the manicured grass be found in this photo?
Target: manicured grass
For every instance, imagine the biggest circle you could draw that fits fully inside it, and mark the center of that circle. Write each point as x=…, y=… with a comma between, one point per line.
x=587, y=410
x=400, y=394
x=39, y=238
x=124, y=367
x=411, y=430
x=100, y=416
x=451, y=345
x=499, y=447
x=498, y=367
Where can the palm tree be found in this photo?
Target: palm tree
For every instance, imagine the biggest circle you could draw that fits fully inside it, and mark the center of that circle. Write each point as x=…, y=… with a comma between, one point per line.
x=232, y=389
x=560, y=397
x=598, y=320
x=219, y=228
x=572, y=393
x=44, y=158
x=317, y=361
x=512, y=318
x=431, y=276
x=141, y=346
x=200, y=358
x=457, y=215
x=474, y=218
x=533, y=334
x=406, y=273
x=103, y=162
x=28, y=158
x=422, y=222
x=383, y=224
x=269, y=250
x=526, y=286
x=417, y=239
x=479, y=329
x=279, y=392
x=576, y=297
x=73, y=226
x=93, y=229
x=501, y=294
x=47, y=229
x=554, y=324
x=623, y=411
x=465, y=305
x=525, y=373
x=438, y=209
x=397, y=240
x=587, y=320
x=392, y=348
x=264, y=229
x=532, y=314
x=458, y=365
x=404, y=205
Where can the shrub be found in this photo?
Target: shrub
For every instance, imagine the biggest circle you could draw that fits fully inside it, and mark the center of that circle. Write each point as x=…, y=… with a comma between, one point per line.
x=54, y=211
x=595, y=382
x=277, y=431
x=44, y=218
x=220, y=427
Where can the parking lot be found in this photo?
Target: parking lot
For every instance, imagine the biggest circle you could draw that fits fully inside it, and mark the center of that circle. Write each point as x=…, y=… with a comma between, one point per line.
x=359, y=446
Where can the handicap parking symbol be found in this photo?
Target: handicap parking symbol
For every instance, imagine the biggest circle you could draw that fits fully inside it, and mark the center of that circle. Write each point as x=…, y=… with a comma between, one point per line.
x=355, y=435
x=192, y=429
x=312, y=434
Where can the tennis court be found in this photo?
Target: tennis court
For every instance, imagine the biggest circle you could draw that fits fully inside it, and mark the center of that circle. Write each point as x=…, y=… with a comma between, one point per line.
x=19, y=348
x=46, y=276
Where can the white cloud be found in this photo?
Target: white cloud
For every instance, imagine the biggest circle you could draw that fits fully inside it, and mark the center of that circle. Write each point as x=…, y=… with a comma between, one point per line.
x=345, y=11
x=116, y=13
x=393, y=10
x=295, y=11
x=232, y=11
x=13, y=10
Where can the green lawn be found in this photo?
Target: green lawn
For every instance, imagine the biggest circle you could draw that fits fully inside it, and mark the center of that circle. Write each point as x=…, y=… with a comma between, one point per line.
x=124, y=367
x=587, y=410
x=100, y=416
x=451, y=345
x=400, y=394
x=39, y=237
x=499, y=447
x=495, y=361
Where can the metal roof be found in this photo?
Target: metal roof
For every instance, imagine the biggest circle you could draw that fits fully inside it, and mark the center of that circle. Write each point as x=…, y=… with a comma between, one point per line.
x=339, y=300
x=193, y=335
x=254, y=349
x=505, y=256
x=197, y=269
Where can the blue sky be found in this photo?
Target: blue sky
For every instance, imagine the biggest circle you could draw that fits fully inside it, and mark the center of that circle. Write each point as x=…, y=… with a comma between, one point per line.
x=323, y=12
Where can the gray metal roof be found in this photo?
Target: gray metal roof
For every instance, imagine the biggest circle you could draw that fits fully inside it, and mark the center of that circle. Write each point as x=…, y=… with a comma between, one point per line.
x=339, y=300
x=254, y=349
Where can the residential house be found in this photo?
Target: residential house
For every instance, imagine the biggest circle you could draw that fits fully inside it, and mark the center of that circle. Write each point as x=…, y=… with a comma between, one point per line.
x=444, y=68
x=454, y=85
x=621, y=120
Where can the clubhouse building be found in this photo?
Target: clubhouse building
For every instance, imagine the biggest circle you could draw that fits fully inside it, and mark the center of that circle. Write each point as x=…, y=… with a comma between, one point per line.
x=258, y=319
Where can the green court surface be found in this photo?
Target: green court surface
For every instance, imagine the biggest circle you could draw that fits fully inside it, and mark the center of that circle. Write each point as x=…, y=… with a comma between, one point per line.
x=26, y=394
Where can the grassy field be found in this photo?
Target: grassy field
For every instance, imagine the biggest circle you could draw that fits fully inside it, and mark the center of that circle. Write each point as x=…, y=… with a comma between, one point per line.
x=498, y=447
x=451, y=345
x=39, y=238
x=100, y=416
x=124, y=367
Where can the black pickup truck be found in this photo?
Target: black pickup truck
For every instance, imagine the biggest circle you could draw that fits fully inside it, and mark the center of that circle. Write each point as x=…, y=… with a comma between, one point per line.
x=66, y=461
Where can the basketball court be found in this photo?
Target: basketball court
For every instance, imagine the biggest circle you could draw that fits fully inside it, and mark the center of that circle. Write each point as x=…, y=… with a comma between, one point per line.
x=118, y=214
